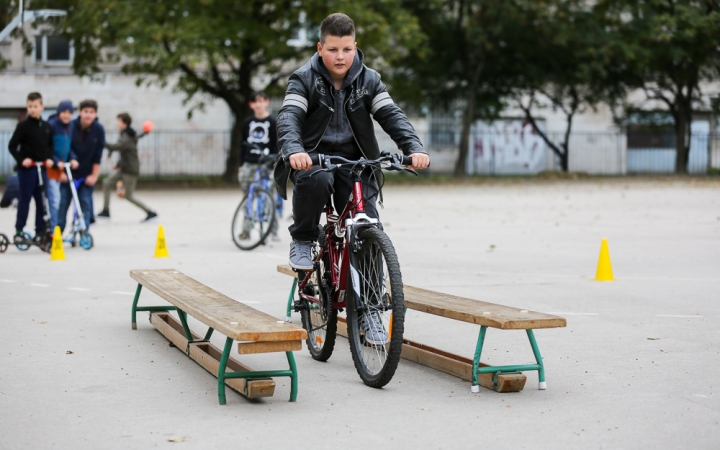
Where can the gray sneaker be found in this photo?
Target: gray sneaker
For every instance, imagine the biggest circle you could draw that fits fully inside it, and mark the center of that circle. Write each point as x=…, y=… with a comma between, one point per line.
x=375, y=333
x=301, y=255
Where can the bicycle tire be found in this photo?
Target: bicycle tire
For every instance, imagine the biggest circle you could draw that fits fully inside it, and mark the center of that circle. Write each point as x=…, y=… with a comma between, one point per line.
x=320, y=323
x=389, y=307
x=4, y=243
x=260, y=227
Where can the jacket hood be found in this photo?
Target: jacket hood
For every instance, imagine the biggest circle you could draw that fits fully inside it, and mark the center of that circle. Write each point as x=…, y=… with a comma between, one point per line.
x=130, y=132
x=351, y=75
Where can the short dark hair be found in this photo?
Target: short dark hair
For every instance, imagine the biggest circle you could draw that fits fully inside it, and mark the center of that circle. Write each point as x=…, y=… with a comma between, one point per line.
x=254, y=96
x=125, y=117
x=88, y=104
x=337, y=24
x=34, y=96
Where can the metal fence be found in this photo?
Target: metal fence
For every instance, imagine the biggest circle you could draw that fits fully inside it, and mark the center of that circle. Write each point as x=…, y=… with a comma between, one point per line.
x=492, y=151
x=161, y=153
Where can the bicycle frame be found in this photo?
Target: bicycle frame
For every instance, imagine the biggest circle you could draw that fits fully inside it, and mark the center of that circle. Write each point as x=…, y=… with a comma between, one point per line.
x=261, y=181
x=338, y=235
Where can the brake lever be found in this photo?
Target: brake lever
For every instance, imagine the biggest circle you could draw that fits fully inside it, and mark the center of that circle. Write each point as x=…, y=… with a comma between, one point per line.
x=410, y=170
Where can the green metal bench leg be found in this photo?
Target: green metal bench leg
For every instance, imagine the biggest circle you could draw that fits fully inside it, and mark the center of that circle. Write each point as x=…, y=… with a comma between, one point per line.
x=134, y=307
x=475, y=388
x=542, y=385
x=221, y=370
x=288, y=318
x=293, y=377
x=182, y=315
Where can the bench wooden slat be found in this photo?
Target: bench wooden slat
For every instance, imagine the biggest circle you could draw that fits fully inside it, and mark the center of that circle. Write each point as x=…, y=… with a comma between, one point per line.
x=478, y=312
x=469, y=310
x=227, y=316
x=248, y=348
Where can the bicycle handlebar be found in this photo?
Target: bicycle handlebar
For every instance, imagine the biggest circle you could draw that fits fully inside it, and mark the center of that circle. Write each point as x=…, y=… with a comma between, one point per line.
x=397, y=161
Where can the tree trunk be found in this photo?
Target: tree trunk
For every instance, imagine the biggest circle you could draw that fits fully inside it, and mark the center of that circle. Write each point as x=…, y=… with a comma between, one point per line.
x=468, y=118
x=682, y=141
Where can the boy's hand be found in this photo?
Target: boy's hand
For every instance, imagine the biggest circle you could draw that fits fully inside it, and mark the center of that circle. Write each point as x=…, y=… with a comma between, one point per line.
x=420, y=161
x=27, y=162
x=300, y=161
x=49, y=163
x=74, y=164
x=90, y=180
x=61, y=165
x=63, y=178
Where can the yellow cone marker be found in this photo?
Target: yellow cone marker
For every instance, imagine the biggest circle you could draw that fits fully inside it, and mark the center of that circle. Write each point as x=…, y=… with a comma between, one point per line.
x=57, y=252
x=160, y=246
x=604, y=268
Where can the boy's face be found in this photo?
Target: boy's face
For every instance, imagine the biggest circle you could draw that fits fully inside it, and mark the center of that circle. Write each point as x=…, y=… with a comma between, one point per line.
x=338, y=54
x=65, y=116
x=87, y=116
x=34, y=108
x=259, y=106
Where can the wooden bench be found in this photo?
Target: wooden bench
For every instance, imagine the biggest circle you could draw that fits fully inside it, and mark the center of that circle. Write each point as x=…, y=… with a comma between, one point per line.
x=256, y=331
x=498, y=378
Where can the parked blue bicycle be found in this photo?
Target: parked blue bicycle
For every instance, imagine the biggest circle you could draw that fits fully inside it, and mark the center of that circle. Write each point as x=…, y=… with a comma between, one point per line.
x=257, y=215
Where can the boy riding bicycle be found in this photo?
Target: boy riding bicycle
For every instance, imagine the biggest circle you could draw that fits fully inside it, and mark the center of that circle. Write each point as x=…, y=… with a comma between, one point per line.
x=259, y=138
x=327, y=110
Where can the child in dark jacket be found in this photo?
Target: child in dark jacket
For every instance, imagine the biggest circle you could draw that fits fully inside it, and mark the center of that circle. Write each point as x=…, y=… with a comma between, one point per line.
x=87, y=141
x=60, y=126
x=128, y=170
x=329, y=106
x=32, y=142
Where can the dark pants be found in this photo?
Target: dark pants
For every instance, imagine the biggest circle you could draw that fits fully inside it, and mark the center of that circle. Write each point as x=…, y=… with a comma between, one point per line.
x=29, y=189
x=85, y=194
x=311, y=193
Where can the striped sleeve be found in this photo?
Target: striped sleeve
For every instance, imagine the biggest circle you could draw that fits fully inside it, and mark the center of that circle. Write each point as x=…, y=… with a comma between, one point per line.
x=381, y=100
x=295, y=100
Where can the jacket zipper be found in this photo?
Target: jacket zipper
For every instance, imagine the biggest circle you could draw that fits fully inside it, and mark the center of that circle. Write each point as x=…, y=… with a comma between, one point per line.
x=347, y=117
x=326, y=127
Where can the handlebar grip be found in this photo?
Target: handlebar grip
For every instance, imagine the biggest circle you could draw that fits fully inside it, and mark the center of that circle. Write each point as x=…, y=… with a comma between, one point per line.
x=315, y=158
x=406, y=160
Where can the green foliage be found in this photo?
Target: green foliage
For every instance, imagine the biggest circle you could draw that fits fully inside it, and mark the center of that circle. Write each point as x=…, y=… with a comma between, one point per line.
x=671, y=51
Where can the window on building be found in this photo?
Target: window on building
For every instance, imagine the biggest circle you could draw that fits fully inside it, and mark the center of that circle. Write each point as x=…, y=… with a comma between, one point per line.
x=650, y=130
x=53, y=49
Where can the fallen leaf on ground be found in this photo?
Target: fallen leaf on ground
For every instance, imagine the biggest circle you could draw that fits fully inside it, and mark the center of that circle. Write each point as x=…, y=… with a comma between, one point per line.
x=177, y=438
x=653, y=339
x=69, y=352
x=42, y=323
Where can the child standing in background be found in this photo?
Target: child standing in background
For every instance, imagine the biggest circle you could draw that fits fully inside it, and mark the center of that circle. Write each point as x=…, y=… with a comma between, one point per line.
x=60, y=126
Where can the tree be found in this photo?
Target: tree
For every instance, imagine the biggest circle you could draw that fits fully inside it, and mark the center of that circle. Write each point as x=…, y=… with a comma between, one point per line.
x=671, y=49
x=462, y=59
x=565, y=67
x=219, y=49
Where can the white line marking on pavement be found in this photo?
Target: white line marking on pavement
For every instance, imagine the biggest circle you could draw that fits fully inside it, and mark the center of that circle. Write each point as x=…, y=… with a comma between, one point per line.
x=678, y=316
x=39, y=285
x=575, y=314
x=78, y=289
x=121, y=293
x=7, y=281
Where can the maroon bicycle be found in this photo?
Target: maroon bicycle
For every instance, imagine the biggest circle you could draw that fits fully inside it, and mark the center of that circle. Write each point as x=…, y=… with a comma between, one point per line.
x=355, y=267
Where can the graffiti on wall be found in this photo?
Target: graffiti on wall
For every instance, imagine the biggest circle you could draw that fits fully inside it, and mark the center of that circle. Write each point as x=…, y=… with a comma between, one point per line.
x=506, y=146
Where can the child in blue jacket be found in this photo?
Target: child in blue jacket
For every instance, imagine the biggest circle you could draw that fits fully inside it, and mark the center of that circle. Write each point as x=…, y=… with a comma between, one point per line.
x=60, y=126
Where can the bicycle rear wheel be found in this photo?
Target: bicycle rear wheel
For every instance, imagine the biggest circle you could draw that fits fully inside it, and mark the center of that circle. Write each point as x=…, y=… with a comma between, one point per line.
x=253, y=219
x=375, y=309
x=320, y=321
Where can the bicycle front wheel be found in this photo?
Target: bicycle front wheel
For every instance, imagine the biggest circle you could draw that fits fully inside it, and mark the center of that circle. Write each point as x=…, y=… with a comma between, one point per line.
x=375, y=308
x=253, y=220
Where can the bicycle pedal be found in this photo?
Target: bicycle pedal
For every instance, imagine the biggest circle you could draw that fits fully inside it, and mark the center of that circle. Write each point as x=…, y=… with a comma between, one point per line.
x=300, y=306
